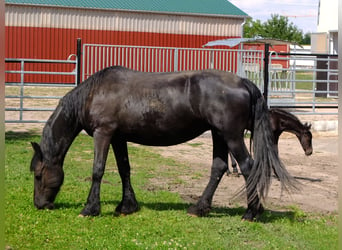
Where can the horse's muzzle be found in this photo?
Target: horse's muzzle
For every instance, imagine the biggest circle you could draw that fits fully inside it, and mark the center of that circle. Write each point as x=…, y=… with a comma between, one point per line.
x=308, y=152
x=44, y=205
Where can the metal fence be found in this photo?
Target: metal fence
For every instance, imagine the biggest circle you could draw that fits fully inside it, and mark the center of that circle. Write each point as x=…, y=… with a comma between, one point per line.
x=32, y=102
x=160, y=59
x=310, y=89
x=305, y=90
x=296, y=87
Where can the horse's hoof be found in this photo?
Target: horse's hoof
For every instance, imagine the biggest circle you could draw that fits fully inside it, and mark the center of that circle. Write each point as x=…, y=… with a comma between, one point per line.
x=128, y=208
x=248, y=218
x=253, y=214
x=118, y=214
x=193, y=215
x=198, y=211
x=90, y=211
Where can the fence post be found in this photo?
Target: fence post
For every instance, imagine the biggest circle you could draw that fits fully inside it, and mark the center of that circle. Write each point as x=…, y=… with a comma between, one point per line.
x=266, y=61
x=79, y=54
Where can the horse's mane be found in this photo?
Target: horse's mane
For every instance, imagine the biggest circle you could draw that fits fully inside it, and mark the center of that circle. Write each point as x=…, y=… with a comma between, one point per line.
x=75, y=101
x=70, y=110
x=287, y=116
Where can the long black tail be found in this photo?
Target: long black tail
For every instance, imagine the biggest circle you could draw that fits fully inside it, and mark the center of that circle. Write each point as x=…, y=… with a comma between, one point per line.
x=266, y=159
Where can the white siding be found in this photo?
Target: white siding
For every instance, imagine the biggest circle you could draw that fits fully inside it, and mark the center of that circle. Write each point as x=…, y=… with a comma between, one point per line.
x=70, y=18
x=328, y=16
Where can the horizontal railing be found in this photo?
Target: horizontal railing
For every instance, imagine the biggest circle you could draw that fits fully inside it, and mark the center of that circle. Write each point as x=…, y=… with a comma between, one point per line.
x=24, y=98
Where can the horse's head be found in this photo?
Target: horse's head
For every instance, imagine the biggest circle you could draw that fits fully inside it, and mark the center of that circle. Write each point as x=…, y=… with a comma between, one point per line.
x=306, y=139
x=48, y=178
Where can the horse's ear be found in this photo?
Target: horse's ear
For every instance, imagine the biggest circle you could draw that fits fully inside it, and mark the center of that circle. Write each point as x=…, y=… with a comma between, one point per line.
x=37, y=150
x=307, y=125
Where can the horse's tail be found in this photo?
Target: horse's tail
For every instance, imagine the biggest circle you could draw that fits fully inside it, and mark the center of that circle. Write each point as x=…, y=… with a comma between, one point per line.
x=266, y=159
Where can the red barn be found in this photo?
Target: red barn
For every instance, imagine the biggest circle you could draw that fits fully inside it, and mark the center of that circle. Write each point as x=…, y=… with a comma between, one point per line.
x=48, y=29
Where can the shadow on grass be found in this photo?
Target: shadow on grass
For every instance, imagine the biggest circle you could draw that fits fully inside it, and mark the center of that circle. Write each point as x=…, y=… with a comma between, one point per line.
x=66, y=205
x=11, y=136
x=269, y=216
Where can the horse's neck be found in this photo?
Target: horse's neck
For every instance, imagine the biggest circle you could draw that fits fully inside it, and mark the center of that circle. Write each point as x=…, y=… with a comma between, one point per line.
x=58, y=134
x=292, y=125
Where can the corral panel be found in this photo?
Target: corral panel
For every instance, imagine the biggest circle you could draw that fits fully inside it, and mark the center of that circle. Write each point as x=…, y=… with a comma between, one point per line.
x=52, y=43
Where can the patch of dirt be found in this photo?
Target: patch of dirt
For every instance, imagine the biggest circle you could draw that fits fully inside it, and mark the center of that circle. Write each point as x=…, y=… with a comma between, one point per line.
x=317, y=174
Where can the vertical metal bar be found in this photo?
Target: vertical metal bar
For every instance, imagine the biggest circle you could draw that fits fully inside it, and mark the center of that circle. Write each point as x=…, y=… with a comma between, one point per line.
x=266, y=61
x=167, y=60
x=91, y=58
x=175, y=60
x=206, y=59
x=107, y=56
x=78, y=62
x=22, y=78
x=84, y=63
x=133, y=59
x=111, y=56
x=144, y=59
x=153, y=61
x=159, y=60
x=103, y=58
x=234, y=69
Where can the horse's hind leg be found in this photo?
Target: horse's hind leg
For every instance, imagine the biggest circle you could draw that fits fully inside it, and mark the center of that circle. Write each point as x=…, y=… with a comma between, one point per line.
x=234, y=166
x=101, y=146
x=128, y=203
x=240, y=152
x=219, y=167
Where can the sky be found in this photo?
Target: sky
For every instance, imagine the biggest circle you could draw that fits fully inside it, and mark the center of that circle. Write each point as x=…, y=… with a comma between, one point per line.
x=302, y=14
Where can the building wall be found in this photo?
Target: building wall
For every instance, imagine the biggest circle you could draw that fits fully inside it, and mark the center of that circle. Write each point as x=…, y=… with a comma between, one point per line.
x=51, y=32
x=71, y=18
x=325, y=40
x=57, y=28
x=327, y=16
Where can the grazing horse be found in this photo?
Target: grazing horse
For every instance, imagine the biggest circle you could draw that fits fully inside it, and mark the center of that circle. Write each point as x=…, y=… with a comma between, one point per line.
x=117, y=105
x=281, y=121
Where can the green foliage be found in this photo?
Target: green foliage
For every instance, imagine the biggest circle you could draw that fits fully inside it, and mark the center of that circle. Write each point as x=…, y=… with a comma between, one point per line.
x=253, y=28
x=306, y=39
x=162, y=222
x=277, y=27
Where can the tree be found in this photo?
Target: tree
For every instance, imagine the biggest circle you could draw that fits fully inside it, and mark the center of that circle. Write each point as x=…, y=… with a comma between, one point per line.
x=277, y=27
x=307, y=39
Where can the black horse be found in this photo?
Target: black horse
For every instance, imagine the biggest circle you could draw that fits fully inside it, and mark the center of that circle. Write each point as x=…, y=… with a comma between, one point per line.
x=117, y=105
x=281, y=121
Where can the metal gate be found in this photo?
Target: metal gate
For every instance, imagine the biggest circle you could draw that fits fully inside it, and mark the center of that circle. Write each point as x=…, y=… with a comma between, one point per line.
x=29, y=101
x=309, y=84
x=246, y=63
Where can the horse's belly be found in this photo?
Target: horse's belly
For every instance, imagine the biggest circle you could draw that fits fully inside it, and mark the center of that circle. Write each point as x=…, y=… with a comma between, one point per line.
x=164, y=138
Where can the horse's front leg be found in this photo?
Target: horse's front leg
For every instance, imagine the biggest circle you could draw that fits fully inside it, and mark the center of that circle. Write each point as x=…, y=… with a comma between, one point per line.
x=219, y=167
x=101, y=146
x=128, y=203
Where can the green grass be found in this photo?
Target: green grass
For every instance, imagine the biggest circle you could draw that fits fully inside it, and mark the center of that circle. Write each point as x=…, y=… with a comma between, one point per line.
x=195, y=144
x=162, y=222
x=306, y=81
